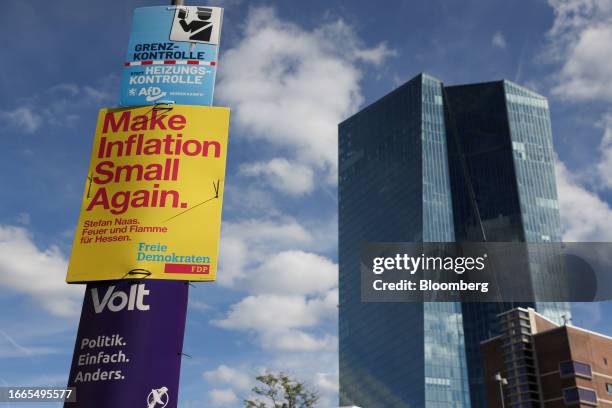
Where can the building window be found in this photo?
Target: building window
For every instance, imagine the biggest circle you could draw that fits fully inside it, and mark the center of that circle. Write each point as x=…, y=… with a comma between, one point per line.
x=605, y=361
x=579, y=395
x=609, y=388
x=571, y=368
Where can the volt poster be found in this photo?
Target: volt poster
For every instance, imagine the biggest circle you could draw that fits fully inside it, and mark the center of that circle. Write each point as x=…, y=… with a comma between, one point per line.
x=172, y=56
x=129, y=344
x=152, y=200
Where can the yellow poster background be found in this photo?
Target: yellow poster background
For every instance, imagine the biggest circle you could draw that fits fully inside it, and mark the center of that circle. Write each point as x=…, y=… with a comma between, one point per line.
x=150, y=240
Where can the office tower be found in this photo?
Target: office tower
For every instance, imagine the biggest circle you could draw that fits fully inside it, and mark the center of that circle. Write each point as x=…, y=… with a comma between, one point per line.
x=536, y=362
x=394, y=186
x=501, y=163
x=433, y=164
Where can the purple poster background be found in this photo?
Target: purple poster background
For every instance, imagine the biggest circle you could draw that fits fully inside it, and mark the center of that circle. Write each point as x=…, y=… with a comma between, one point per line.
x=129, y=344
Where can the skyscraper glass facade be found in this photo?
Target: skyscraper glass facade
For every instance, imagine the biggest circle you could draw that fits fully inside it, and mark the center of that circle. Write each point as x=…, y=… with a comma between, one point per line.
x=395, y=186
x=533, y=153
x=503, y=182
x=433, y=164
x=445, y=366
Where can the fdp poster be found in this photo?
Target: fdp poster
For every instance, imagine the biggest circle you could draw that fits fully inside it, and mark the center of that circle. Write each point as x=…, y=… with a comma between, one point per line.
x=152, y=200
x=129, y=344
x=172, y=56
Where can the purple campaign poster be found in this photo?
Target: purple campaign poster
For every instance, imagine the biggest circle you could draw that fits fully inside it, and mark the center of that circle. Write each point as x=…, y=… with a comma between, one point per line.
x=129, y=344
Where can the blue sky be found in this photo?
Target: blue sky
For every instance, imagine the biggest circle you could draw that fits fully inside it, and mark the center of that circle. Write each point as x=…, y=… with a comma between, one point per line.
x=290, y=71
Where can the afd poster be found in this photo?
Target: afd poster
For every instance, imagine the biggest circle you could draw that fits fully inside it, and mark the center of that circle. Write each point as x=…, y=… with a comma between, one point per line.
x=129, y=344
x=172, y=56
x=152, y=200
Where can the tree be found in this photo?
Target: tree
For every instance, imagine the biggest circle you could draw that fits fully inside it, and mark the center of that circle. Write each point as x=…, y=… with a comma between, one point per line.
x=282, y=392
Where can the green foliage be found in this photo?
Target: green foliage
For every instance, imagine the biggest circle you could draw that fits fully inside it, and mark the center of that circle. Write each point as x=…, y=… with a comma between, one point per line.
x=280, y=391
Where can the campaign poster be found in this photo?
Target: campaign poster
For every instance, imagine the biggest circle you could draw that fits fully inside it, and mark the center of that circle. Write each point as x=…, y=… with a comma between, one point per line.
x=129, y=344
x=172, y=56
x=153, y=194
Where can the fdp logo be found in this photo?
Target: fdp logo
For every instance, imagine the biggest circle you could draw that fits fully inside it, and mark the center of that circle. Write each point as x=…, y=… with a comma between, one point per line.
x=197, y=24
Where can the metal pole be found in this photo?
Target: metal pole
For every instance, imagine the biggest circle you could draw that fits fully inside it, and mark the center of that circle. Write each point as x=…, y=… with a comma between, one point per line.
x=502, y=381
x=178, y=2
x=501, y=395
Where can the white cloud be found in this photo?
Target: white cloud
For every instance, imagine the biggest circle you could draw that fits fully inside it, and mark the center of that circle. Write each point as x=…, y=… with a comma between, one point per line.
x=294, y=273
x=197, y=305
x=266, y=232
x=58, y=105
x=579, y=43
x=297, y=340
x=289, y=96
x=222, y=397
x=376, y=55
x=38, y=273
x=223, y=374
x=498, y=40
x=327, y=381
x=604, y=166
x=100, y=95
x=22, y=118
x=247, y=243
x=291, y=289
x=586, y=74
x=282, y=175
x=572, y=16
x=579, y=40
x=249, y=200
x=233, y=259
x=279, y=320
x=585, y=217
x=293, y=91
x=273, y=312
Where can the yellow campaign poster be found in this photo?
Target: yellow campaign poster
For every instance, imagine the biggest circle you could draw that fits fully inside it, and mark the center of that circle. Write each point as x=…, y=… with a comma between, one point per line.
x=152, y=200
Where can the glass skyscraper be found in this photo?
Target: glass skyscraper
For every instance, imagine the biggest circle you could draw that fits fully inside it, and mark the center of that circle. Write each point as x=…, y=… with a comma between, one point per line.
x=395, y=186
x=429, y=163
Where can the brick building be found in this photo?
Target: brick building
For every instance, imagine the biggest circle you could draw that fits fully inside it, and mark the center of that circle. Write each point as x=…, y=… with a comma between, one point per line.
x=537, y=363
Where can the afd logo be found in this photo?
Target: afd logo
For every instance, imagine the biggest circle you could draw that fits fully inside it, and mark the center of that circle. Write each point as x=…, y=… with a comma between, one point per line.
x=152, y=93
x=116, y=301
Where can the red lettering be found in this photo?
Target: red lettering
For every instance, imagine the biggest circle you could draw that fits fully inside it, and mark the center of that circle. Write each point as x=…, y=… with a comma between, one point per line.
x=139, y=123
x=177, y=122
x=107, y=174
x=124, y=121
x=109, y=120
x=100, y=198
x=216, y=145
x=101, y=148
x=157, y=121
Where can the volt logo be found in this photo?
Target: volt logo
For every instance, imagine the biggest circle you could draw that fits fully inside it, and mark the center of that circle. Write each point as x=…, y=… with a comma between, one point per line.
x=116, y=301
